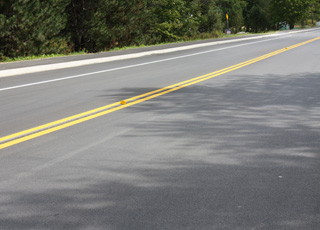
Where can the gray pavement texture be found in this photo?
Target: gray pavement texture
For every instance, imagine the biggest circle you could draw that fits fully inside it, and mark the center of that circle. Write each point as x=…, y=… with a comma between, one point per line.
x=71, y=58
x=21, y=64
x=239, y=151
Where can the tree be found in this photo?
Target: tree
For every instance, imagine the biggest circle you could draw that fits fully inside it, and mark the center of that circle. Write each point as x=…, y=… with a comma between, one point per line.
x=86, y=24
x=95, y=25
x=174, y=19
x=210, y=16
x=31, y=27
x=234, y=8
x=314, y=11
x=130, y=22
x=289, y=11
x=257, y=16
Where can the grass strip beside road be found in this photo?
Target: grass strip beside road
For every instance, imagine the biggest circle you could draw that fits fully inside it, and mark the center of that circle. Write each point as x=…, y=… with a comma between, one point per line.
x=207, y=37
x=88, y=115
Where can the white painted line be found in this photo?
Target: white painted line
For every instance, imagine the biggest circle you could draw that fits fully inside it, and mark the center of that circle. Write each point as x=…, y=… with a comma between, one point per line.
x=300, y=31
x=48, y=67
x=136, y=65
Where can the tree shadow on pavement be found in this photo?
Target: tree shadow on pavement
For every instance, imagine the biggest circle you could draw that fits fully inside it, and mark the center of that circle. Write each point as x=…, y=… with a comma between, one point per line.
x=236, y=154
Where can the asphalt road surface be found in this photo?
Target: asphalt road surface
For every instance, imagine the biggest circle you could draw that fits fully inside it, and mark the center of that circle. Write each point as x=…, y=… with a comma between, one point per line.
x=239, y=150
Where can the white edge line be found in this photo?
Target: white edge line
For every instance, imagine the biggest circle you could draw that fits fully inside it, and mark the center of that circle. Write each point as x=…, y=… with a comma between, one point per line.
x=136, y=65
x=48, y=67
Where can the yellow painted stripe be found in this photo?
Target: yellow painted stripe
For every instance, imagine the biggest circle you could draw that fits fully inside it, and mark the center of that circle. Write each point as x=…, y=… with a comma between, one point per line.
x=64, y=120
x=82, y=117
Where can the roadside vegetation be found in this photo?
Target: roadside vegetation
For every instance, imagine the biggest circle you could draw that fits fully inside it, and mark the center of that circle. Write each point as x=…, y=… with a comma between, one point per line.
x=45, y=28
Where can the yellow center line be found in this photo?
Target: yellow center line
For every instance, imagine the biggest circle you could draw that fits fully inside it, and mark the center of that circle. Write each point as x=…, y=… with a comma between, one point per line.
x=68, y=119
x=91, y=114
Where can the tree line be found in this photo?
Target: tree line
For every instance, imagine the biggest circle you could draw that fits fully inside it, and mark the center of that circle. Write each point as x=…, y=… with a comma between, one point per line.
x=35, y=27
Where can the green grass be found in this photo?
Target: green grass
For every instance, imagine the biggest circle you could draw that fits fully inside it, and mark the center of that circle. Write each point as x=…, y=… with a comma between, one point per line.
x=33, y=57
x=222, y=35
x=203, y=37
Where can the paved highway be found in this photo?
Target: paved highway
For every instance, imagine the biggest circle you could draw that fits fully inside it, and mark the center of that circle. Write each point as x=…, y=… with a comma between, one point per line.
x=224, y=136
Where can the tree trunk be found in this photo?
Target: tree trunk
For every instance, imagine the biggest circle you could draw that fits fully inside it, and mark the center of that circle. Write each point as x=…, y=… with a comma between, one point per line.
x=291, y=26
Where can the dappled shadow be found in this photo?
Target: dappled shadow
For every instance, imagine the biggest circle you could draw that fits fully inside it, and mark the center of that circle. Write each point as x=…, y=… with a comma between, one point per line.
x=272, y=113
x=236, y=155
x=190, y=195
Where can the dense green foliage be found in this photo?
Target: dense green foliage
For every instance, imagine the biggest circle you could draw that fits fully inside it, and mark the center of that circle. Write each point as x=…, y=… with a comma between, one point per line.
x=289, y=11
x=36, y=27
x=257, y=15
x=32, y=27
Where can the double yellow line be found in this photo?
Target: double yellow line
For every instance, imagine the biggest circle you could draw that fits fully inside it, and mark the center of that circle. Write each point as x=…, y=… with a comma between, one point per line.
x=82, y=117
